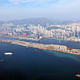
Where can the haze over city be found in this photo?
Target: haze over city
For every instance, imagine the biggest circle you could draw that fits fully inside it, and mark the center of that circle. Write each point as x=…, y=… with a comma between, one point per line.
x=52, y=9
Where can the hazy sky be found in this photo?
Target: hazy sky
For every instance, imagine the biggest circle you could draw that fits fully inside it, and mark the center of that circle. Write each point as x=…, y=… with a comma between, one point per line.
x=53, y=9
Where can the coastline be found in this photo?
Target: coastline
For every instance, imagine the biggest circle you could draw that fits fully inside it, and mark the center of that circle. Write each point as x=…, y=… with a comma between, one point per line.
x=50, y=47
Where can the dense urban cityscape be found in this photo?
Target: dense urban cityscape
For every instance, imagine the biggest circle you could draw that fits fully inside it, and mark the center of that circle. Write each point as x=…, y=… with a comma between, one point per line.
x=39, y=40
x=60, y=32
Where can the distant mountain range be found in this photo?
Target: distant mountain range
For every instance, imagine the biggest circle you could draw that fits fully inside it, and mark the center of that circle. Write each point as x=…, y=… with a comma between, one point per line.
x=36, y=21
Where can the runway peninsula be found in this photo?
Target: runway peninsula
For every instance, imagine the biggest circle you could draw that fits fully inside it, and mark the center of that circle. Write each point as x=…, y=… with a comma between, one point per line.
x=51, y=47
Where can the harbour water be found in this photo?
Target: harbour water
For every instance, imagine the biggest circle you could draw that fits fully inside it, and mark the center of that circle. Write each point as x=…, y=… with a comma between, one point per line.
x=69, y=44
x=35, y=64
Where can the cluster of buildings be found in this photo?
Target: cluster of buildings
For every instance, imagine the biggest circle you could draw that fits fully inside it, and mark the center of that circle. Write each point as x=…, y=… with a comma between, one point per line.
x=60, y=32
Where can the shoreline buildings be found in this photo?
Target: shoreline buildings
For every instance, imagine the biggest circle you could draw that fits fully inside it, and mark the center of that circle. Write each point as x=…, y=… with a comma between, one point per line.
x=60, y=32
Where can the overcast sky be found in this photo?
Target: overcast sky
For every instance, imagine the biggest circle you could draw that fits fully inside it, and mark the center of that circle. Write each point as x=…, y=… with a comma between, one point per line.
x=52, y=9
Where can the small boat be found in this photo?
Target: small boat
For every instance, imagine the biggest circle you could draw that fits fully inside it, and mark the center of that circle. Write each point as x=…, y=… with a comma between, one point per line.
x=77, y=75
x=8, y=53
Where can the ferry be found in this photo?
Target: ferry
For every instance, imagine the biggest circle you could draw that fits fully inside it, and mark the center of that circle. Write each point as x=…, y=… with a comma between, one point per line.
x=8, y=53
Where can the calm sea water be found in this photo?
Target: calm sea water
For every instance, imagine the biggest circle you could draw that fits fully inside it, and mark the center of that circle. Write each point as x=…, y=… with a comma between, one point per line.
x=36, y=64
x=61, y=42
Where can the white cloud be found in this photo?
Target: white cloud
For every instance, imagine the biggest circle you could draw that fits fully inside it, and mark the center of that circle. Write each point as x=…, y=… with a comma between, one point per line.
x=36, y=2
x=20, y=1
